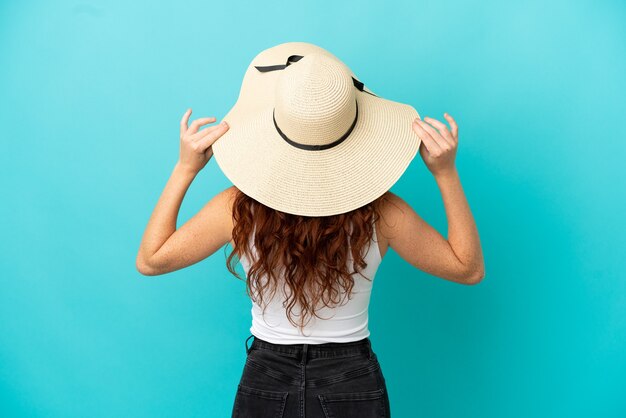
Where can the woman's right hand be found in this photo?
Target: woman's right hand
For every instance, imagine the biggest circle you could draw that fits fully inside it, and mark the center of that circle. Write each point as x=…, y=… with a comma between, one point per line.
x=440, y=144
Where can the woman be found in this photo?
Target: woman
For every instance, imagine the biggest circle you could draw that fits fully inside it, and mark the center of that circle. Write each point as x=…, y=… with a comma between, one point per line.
x=312, y=154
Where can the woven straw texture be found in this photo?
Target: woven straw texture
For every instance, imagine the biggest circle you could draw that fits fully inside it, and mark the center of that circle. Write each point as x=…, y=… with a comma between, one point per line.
x=314, y=102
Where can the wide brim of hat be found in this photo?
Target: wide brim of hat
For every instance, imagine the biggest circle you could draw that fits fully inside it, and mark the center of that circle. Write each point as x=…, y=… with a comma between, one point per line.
x=258, y=161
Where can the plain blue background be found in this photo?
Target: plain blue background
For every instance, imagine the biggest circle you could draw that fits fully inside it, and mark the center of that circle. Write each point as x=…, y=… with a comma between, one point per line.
x=91, y=97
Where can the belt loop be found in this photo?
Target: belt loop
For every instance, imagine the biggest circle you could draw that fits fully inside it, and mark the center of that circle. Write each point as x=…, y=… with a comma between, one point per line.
x=246, y=344
x=369, y=349
x=304, y=353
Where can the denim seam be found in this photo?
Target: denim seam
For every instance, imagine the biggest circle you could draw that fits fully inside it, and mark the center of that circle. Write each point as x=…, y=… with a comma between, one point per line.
x=272, y=373
x=324, y=381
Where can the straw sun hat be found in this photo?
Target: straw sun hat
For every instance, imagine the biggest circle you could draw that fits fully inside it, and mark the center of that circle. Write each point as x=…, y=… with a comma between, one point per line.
x=307, y=137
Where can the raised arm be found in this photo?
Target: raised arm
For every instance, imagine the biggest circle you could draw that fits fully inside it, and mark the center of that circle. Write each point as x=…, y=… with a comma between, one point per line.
x=458, y=258
x=163, y=247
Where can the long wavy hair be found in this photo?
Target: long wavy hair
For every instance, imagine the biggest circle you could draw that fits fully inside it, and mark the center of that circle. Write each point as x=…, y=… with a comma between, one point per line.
x=307, y=255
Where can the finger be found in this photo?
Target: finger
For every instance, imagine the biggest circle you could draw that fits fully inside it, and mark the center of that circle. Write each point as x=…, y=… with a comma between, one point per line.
x=213, y=135
x=206, y=131
x=442, y=128
x=453, y=125
x=195, y=125
x=184, y=121
x=428, y=140
x=443, y=144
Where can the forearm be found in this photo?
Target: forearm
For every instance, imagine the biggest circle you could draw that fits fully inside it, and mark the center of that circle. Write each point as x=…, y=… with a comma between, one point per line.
x=462, y=231
x=162, y=223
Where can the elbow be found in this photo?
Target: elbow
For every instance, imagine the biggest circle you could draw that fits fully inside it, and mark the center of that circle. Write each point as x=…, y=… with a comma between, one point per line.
x=144, y=268
x=471, y=273
x=475, y=277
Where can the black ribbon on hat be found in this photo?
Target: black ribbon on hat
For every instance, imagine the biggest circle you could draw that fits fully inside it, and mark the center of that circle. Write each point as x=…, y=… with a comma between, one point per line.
x=295, y=58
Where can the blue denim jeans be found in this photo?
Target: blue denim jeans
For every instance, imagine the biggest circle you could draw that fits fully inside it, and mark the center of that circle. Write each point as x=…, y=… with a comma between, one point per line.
x=331, y=380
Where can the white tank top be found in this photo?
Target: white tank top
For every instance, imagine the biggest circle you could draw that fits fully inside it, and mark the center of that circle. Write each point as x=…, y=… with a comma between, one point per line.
x=344, y=323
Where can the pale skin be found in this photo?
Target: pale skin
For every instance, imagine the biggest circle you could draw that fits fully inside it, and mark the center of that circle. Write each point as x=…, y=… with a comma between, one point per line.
x=459, y=258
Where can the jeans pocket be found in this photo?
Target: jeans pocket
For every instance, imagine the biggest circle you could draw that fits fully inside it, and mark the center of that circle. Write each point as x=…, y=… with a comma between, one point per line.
x=365, y=404
x=258, y=403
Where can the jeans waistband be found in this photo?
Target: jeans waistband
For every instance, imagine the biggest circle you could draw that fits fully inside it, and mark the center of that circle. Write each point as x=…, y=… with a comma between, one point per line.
x=325, y=350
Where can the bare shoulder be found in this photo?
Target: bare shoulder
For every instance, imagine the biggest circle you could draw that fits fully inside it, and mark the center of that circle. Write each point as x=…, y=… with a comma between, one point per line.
x=417, y=242
x=198, y=238
x=386, y=205
x=398, y=219
x=393, y=209
x=228, y=196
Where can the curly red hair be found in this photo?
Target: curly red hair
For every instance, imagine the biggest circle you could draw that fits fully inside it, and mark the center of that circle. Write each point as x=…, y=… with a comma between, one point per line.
x=312, y=252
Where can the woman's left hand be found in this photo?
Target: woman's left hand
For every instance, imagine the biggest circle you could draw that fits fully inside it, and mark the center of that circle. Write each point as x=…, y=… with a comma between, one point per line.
x=195, y=147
